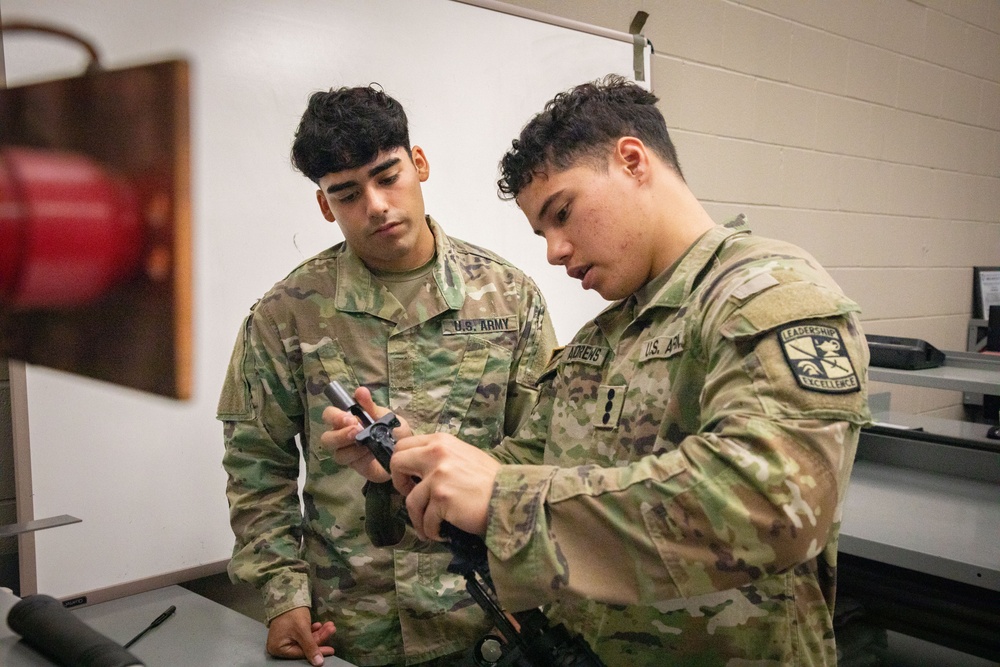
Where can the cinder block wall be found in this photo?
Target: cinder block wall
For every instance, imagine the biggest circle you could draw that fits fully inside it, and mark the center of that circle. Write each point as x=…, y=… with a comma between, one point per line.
x=866, y=131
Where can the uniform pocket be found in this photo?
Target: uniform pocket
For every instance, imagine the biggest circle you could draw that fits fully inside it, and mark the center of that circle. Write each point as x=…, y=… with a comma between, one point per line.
x=235, y=402
x=706, y=538
x=321, y=364
x=474, y=409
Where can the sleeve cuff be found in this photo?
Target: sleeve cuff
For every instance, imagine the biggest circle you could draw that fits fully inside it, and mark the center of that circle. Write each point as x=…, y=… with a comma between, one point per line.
x=285, y=592
x=517, y=535
x=518, y=497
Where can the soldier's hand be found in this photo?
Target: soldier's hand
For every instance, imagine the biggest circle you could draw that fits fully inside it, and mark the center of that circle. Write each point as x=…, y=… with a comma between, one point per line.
x=344, y=426
x=444, y=479
x=292, y=635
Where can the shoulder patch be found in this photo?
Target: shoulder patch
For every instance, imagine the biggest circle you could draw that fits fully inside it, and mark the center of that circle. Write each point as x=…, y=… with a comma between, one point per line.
x=818, y=359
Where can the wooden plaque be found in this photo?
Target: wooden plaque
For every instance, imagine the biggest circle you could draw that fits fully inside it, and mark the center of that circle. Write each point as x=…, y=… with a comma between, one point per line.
x=134, y=123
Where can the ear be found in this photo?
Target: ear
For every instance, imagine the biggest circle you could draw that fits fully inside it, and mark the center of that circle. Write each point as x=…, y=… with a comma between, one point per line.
x=421, y=163
x=324, y=206
x=633, y=156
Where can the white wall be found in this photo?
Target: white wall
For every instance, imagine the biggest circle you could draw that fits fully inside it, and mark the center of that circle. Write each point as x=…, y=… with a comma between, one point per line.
x=143, y=472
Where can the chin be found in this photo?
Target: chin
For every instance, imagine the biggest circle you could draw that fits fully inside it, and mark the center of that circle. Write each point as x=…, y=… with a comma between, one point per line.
x=610, y=296
x=616, y=293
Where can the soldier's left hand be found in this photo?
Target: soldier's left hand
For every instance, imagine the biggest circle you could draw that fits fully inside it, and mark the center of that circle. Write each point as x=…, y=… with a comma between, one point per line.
x=444, y=479
x=344, y=426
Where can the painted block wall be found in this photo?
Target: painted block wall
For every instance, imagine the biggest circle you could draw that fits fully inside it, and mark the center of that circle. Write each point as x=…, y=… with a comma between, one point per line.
x=865, y=131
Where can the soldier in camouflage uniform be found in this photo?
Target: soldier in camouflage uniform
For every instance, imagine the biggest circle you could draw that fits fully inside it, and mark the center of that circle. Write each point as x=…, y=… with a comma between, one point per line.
x=675, y=495
x=451, y=336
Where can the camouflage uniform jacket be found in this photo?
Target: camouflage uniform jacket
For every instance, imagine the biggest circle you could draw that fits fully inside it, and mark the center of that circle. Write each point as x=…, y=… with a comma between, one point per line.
x=676, y=493
x=463, y=359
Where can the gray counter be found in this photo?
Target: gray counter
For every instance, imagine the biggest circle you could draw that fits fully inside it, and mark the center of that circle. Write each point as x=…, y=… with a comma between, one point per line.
x=201, y=632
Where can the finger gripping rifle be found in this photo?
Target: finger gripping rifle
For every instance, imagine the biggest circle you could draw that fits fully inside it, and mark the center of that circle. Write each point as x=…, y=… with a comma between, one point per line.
x=533, y=641
x=377, y=435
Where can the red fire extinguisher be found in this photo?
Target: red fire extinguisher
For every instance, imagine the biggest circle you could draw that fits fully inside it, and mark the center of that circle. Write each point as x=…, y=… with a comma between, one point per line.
x=69, y=230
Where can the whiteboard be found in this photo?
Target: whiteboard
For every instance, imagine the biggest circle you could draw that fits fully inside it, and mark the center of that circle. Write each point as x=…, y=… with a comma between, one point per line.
x=144, y=473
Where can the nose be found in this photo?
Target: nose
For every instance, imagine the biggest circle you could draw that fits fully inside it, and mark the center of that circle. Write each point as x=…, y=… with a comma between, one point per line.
x=378, y=203
x=558, y=249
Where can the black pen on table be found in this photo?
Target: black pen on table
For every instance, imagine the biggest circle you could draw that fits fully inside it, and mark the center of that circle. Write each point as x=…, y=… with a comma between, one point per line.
x=159, y=619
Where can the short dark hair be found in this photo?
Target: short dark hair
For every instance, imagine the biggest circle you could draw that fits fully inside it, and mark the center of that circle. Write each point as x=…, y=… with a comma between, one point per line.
x=584, y=123
x=347, y=128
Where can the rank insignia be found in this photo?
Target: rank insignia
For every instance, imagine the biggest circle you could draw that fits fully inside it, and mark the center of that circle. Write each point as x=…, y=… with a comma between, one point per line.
x=610, y=401
x=818, y=359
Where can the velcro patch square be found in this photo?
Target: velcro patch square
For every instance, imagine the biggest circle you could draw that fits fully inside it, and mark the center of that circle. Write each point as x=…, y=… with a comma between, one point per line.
x=818, y=360
x=610, y=400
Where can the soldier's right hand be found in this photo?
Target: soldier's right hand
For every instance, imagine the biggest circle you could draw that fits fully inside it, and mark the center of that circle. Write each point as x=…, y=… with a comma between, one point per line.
x=292, y=635
x=340, y=437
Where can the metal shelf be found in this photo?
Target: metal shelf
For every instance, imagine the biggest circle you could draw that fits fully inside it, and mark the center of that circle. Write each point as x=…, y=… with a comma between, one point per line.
x=961, y=371
x=938, y=524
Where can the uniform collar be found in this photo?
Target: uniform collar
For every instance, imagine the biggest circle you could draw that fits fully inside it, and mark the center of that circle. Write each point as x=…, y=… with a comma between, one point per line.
x=672, y=287
x=358, y=290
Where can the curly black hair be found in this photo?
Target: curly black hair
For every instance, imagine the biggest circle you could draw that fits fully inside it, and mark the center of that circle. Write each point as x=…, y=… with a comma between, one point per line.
x=347, y=128
x=583, y=124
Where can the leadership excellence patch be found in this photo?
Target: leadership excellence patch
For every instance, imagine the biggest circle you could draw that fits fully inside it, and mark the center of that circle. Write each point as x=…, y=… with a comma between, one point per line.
x=817, y=358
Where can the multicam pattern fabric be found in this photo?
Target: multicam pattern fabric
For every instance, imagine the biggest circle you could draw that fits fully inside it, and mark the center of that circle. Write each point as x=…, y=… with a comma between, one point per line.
x=676, y=494
x=463, y=359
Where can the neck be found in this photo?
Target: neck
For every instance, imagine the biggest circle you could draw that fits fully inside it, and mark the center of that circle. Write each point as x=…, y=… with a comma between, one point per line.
x=683, y=220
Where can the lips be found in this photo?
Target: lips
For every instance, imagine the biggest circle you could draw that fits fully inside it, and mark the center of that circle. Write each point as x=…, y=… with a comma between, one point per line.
x=584, y=274
x=386, y=227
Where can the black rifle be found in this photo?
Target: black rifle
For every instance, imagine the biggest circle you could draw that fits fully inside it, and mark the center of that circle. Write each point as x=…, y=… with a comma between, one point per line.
x=534, y=642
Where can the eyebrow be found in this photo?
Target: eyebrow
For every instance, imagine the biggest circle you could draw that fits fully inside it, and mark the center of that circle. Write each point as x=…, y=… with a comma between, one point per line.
x=548, y=202
x=374, y=171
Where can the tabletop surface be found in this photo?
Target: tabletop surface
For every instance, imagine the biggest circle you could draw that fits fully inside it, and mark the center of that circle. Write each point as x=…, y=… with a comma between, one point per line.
x=200, y=632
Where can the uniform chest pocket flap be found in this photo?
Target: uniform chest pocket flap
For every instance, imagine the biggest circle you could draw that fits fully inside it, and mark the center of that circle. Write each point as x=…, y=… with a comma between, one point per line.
x=322, y=364
x=468, y=377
